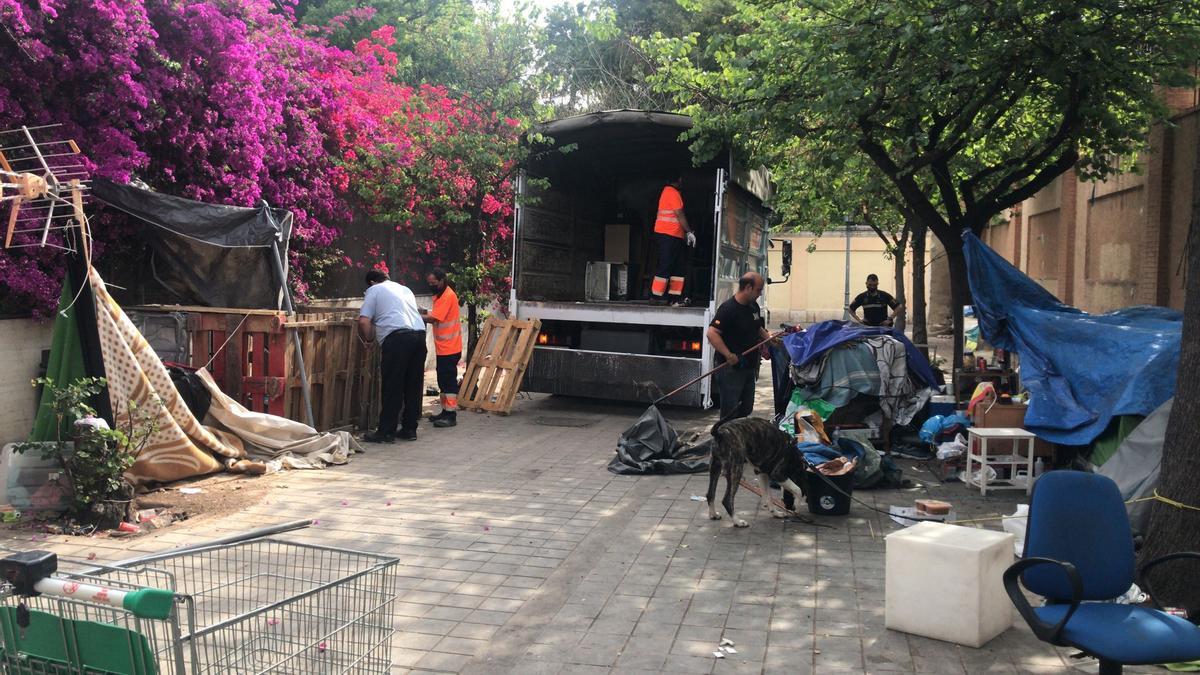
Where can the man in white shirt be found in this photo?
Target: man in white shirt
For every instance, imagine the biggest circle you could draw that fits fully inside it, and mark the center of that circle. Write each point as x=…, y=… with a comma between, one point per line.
x=389, y=314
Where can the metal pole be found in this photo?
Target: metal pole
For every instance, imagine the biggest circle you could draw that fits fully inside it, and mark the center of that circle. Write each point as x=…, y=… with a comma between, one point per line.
x=290, y=309
x=231, y=539
x=846, y=298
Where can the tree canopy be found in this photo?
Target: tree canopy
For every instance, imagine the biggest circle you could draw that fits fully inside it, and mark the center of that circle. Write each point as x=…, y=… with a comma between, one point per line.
x=965, y=108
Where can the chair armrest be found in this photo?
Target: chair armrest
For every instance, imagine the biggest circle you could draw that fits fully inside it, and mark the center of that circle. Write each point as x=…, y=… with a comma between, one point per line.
x=1044, y=631
x=1143, y=578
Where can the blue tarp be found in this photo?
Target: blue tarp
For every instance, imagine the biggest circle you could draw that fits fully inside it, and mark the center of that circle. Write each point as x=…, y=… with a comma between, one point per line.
x=821, y=337
x=1081, y=369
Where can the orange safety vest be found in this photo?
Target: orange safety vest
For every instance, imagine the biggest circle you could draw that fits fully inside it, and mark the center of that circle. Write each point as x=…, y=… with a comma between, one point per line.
x=667, y=221
x=447, y=332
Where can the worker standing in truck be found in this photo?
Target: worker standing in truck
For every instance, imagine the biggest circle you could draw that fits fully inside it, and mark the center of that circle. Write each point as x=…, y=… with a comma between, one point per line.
x=671, y=233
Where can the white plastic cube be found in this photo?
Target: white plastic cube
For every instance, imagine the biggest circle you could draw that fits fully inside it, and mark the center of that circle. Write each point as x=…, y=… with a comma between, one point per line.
x=946, y=582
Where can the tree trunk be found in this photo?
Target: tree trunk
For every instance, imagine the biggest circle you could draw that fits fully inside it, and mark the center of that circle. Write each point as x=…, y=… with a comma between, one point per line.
x=1173, y=529
x=960, y=296
x=899, y=258
x=920, y=332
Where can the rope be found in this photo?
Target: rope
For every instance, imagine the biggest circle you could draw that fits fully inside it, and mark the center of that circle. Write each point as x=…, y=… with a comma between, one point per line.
x=222, y=347
x=1170, y=502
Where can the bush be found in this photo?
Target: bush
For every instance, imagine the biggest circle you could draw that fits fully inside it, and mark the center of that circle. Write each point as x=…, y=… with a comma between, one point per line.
x=95, y=463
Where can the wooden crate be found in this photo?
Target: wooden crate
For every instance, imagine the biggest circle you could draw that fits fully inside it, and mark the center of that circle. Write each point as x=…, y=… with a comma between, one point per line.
x=339, y=368
x=255, y=362
x=494, y=374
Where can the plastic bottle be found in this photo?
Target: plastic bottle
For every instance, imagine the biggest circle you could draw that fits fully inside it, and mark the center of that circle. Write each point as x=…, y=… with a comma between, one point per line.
x=1039, y=467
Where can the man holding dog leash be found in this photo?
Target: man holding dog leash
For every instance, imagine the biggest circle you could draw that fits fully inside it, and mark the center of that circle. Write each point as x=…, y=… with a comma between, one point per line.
x=737, y=326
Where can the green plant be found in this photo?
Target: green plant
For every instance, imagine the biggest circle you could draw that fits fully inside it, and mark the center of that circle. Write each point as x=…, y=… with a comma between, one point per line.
x=94, y=465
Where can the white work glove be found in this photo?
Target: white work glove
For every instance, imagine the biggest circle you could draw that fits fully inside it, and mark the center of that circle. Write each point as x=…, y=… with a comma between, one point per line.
x=691, y=238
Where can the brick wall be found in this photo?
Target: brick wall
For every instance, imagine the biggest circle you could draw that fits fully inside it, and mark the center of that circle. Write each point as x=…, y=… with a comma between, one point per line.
x=22, y=341
x=1102, y=246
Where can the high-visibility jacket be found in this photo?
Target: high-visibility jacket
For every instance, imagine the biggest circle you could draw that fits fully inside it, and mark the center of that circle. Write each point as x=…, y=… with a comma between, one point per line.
x=447, y=332
x=667, y=221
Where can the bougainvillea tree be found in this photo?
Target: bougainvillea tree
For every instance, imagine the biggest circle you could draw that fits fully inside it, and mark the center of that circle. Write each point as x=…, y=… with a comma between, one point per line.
x=446, y=189
x=232, y=101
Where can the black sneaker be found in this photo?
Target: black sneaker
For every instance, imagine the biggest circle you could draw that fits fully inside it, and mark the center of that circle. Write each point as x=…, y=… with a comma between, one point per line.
x=409, y=435
x=447, y=421
x=376, y=437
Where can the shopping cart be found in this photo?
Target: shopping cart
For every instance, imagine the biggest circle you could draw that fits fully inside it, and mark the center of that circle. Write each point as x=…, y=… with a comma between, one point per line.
x=258, y=606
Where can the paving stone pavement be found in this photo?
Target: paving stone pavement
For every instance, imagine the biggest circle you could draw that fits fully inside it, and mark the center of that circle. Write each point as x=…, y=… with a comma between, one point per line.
x=520, y=553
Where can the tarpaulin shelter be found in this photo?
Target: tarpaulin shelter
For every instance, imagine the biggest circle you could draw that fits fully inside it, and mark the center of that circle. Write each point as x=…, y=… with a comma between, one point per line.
x=838, y=360
x=214, y=255
x=209, y=254
x=1081, y=369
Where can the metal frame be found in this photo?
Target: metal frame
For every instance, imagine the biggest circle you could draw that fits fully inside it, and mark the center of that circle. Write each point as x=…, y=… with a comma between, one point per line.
x=257, y=606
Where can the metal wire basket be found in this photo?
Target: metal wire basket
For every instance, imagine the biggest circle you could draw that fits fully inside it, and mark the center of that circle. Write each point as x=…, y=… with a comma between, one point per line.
x=260, y=606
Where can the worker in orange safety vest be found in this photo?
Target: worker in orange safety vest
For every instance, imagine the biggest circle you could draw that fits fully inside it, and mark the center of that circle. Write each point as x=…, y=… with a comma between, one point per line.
x=671, y=232
x=447, y=344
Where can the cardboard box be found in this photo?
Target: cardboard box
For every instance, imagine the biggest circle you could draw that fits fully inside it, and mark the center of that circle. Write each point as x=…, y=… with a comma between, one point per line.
x=616, y=243
x=1008, y=416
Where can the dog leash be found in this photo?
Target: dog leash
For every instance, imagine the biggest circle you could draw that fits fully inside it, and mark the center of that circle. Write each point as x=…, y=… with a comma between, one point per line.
x=793, y=517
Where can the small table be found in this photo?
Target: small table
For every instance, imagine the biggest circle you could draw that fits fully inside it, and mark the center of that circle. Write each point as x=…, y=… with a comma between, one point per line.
x=977, y=456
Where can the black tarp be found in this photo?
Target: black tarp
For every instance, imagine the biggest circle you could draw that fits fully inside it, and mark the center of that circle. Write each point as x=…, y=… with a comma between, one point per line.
x=207, y=254
x=651, y=446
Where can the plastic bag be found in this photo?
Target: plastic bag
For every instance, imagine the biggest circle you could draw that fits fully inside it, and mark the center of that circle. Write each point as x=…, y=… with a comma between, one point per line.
x=977, y=477
x=952, y=449
x=806, y=432
x=1015, y=525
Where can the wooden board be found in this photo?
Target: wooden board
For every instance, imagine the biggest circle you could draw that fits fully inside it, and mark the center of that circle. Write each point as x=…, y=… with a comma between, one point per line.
x=494, y=374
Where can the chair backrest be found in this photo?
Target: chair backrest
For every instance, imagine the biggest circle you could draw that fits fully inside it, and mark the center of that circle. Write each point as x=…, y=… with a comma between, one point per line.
x=1079, y=518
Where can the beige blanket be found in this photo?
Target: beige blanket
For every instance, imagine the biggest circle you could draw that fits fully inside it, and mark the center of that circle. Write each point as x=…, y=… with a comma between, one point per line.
x=179, y=446
x=280, y=442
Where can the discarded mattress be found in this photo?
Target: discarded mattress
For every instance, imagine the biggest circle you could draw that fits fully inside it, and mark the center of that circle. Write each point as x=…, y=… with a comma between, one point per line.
x=1081, y=369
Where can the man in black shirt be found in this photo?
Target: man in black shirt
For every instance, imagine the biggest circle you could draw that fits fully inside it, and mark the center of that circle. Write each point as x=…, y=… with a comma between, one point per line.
x=875, y=304
x=738, y=326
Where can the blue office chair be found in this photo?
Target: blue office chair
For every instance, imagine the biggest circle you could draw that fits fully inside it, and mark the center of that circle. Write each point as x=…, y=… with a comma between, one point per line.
x=1078, y=547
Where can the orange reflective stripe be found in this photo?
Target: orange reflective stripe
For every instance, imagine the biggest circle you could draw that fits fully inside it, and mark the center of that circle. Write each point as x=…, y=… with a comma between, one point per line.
x=659, y=286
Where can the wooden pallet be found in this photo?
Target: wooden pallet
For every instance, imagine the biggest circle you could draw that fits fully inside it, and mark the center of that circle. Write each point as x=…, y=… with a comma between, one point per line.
x=494, y=374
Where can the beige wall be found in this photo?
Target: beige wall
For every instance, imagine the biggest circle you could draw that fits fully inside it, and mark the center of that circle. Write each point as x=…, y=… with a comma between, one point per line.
x=815, y=290
x=22, y=341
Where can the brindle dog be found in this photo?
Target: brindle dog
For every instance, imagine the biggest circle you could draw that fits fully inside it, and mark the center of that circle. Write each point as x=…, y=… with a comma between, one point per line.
x=770, y=451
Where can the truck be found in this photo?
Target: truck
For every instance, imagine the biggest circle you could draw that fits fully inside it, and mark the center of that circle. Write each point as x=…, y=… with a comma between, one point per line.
x=583, y=255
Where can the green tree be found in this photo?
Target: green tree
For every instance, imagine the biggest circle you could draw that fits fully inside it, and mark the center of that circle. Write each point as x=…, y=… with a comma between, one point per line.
x=822, y=191
x=421, y=27
x=592, y=49
x=966, y=108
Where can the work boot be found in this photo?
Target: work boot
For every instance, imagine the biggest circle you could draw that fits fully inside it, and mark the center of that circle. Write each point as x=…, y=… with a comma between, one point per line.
x=377, y=437
x=407, y=434
x=434, y=418
x=448, y=420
